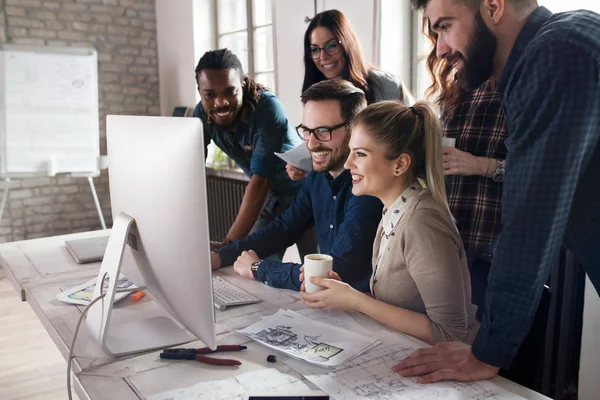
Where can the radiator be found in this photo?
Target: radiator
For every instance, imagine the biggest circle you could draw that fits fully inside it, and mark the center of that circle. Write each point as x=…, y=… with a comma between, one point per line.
x=224, y=197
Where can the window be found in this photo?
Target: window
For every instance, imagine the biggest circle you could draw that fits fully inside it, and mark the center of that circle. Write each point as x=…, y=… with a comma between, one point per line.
x=557, y=6
x=254, y=47
x=421, y=78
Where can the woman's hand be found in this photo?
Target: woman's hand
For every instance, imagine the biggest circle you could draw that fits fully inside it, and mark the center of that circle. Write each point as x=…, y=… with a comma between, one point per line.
x=336, y=296
x=332, y=275
x=457, y=162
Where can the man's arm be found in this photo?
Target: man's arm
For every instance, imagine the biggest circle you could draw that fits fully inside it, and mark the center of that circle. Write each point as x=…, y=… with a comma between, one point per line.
x=271, y=126
x=253, y=202
x=274, y=237
x=553, y=125
x=553, y=132
x=352, y=249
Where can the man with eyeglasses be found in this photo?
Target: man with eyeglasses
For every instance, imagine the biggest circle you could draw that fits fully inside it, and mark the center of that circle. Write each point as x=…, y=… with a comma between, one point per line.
x=248, y=123
x=345, y=224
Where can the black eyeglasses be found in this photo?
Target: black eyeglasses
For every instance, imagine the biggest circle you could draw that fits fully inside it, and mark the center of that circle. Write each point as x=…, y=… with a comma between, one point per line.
x=330, y=48
x=321, y=133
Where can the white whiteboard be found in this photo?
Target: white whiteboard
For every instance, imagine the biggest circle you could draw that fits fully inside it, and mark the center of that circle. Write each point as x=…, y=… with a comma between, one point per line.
x=48, y=111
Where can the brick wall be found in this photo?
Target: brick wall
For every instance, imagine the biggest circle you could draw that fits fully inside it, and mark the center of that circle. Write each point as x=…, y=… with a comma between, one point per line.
x=123, y=32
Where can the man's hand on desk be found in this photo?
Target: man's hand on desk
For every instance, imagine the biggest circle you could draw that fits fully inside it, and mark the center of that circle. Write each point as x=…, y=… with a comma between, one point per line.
x=445, y=361
x=244, y=262
x=215, y=260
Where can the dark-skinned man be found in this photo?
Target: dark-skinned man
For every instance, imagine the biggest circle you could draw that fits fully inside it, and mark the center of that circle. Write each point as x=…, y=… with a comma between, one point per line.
x=249, y=124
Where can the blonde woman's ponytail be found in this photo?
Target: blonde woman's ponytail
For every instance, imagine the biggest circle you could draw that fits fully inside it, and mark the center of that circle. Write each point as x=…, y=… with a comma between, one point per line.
x=432, y=140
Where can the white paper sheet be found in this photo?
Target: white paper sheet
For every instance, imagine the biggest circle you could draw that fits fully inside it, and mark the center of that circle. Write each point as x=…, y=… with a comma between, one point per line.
x=299, y=157
x=335, y=318
x=370, y=376
x=268, y=380
x=312, y=341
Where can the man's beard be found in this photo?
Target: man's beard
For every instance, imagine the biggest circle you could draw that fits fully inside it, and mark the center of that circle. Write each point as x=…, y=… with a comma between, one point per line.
x=336, y=162
x=478, y=65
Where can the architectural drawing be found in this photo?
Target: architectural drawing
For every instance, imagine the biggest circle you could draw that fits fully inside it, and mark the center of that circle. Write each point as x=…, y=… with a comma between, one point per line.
x=309, y=346
x=309, y=340
x=370, y=376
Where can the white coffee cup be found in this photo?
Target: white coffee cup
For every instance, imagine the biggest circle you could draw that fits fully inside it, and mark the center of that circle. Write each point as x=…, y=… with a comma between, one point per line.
x=316, y=265
x=448, y=142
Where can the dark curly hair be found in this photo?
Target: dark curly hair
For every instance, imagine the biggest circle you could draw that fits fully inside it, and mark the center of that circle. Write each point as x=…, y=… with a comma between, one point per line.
x=225, y=59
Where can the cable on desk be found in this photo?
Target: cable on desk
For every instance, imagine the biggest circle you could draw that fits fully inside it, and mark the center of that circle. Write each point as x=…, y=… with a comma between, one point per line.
x=85, y=310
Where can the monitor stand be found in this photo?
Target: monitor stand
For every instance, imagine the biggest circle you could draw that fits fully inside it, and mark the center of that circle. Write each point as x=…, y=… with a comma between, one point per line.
x=132, y=337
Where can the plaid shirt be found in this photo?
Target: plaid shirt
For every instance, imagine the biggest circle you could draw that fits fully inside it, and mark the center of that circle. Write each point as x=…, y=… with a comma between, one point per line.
x=550, y=89
x=479, y=127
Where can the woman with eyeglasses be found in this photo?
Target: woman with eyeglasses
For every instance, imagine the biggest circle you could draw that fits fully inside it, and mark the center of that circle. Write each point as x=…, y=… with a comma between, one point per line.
x=332, y=50
x=420, y=282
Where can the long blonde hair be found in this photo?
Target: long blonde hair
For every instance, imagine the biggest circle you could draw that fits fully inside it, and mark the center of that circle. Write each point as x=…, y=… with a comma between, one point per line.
x=416, y=131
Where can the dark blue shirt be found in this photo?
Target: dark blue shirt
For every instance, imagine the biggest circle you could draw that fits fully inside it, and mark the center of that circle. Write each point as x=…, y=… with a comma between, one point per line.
x=261, y=132
x=551, y=92
x=345, y=226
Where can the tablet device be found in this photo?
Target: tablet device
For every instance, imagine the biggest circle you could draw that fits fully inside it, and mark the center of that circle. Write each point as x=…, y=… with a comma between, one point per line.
x=87, y=250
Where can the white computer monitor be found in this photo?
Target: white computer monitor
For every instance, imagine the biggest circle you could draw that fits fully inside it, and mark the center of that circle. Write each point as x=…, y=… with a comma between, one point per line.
x=160, y=236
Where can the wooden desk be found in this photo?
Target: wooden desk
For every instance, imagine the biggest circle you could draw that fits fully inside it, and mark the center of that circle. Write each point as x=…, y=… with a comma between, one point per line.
x=41, y=268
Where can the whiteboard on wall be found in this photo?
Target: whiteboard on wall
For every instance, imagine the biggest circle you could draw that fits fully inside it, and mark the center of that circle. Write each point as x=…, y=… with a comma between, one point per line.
x=48, y=111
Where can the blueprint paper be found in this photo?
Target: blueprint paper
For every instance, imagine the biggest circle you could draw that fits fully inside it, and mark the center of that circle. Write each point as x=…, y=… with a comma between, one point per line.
x=299, y=157
x=268, y=380
x=312, y=341
x=370, y=376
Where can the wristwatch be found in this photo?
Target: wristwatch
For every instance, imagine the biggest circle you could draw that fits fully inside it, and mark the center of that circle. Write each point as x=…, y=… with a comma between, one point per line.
x=254, y=269
x=499, y=173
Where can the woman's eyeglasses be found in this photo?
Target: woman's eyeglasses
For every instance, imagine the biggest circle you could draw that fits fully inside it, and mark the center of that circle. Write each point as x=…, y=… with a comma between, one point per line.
x=330, y=48
x=321, y=133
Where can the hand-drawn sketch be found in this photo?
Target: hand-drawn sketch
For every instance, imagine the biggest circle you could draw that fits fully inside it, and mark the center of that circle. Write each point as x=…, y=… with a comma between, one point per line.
x=283, y=336
x=309, y=340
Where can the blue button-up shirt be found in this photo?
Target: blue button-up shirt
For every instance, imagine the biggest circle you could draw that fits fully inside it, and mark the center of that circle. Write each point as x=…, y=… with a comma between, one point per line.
x=551, y=92
x=261, y=132
x=345, y=224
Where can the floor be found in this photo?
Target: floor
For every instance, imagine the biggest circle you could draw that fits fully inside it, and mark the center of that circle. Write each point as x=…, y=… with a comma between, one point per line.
x=30, y=365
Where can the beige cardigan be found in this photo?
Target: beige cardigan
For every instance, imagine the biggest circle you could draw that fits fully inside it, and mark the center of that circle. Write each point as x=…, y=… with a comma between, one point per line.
x=426, y=270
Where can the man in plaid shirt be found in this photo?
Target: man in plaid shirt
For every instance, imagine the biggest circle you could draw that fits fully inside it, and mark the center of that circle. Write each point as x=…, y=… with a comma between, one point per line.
x=548, y=71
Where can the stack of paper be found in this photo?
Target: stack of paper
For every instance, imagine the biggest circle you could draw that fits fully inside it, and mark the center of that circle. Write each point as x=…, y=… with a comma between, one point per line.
x=309, y=340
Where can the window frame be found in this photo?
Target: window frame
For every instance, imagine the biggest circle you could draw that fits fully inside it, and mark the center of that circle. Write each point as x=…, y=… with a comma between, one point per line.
x=250, y=31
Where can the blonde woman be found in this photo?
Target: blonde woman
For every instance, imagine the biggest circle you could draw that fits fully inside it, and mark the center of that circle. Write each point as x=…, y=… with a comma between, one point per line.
x=420, y=283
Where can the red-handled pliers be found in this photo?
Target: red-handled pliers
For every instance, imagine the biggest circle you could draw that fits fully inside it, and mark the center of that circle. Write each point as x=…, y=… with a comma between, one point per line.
x=198, y=354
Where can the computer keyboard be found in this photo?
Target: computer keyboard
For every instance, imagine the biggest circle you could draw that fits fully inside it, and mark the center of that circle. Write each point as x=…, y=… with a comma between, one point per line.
x=227, y=294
